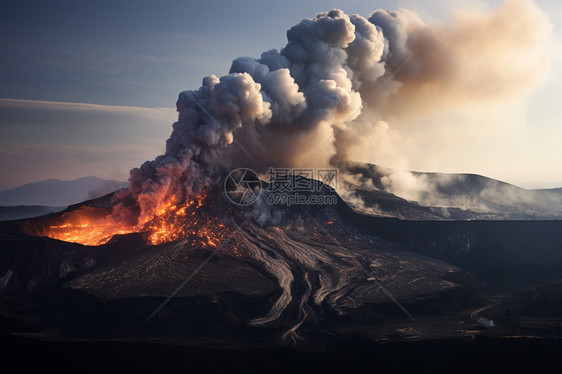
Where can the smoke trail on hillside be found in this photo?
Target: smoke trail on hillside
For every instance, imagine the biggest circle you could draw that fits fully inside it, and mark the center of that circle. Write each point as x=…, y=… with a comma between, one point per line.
x=346, y=78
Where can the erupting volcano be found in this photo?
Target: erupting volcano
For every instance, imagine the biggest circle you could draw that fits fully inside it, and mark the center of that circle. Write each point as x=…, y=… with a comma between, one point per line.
x=328, y=93
x=172, y=259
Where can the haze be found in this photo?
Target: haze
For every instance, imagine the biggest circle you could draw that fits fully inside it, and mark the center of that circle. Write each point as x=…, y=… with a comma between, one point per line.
x=90, y=88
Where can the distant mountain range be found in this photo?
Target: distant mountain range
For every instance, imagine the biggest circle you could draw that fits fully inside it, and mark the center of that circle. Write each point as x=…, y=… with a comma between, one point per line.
x=58, y=193
x=422, y=195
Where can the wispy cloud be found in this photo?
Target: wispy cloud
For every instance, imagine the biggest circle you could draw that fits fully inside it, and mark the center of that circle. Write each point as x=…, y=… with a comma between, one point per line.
x=45, y=139
x=41, y=104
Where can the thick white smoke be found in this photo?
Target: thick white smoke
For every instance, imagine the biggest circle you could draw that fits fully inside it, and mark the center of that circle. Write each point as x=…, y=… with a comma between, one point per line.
x=334, y=91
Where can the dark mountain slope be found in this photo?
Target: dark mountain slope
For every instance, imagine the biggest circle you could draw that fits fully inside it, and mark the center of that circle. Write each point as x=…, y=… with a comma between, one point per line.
x=317, y=273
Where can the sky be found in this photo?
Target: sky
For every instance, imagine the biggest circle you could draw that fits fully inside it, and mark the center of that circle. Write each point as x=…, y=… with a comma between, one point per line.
x=89, y=88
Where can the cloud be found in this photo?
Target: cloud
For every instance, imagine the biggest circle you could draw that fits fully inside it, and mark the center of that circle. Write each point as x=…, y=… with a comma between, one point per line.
x=42, y=139
x=345, y=86
x=479, y=57
x=454, y=96
x=389, y=87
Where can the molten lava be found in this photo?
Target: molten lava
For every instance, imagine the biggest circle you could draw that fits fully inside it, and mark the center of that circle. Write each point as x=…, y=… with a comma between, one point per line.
x=96, y=226
x=182, y=221
x=85, y=225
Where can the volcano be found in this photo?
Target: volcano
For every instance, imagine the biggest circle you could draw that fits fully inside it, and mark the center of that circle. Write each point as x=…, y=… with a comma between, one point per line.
x=318, y=277
x=319, y=270
x=313, y=263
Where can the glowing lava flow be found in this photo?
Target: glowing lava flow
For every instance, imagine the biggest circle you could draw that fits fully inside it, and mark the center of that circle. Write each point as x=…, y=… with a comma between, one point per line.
x=95, y=226
x=182, y=221
x=85, y=225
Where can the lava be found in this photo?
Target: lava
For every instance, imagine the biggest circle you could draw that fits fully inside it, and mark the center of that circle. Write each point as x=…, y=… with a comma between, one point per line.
x=96, y=226
x=180, y=221
x=85, y=225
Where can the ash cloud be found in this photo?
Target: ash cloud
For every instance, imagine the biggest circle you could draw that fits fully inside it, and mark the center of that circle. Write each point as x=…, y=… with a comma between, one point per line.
x=479, y=57
x=206, y=123
x=344, y=87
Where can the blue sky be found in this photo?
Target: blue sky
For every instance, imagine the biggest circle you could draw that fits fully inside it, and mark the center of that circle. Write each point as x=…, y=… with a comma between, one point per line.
x=102, y=55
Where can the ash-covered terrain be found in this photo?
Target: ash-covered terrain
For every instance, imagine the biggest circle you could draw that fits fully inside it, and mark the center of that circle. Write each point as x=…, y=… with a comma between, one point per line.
x=318, y=276
x=313, y=270
x=322, y=279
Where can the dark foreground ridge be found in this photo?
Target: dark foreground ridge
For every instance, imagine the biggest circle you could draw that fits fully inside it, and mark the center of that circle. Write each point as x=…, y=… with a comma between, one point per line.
x=356, y=356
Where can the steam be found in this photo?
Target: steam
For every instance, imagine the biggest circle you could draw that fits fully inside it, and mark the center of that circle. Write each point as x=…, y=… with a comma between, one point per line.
x=343, y=87
x=478, y=58
x=472, y=73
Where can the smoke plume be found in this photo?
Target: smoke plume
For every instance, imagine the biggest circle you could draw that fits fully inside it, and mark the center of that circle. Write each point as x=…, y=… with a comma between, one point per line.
x=343, y=86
